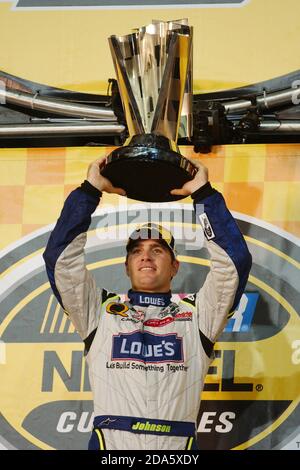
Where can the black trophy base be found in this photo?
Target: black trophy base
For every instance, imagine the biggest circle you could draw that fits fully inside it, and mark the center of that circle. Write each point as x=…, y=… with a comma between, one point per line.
x=148, y=169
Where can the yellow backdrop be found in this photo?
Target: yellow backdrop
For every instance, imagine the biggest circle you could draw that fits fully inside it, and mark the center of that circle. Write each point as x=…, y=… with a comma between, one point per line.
x=232, y=46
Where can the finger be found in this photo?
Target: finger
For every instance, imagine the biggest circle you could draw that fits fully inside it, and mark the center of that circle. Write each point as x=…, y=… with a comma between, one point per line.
x=190, y=159
x=197, y=163
x=102, y=163
x=201, y=169
x=100, y=159
x=119, y=191
x=179, y=192
x=98, y=163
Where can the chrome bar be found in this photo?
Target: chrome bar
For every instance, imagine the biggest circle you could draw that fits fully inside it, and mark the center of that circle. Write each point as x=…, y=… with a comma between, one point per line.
x=280, y=126
x=265, y=101
x=40, y=120
x=237, y=106
x=278, y=98
x=59, y=129
x=52, y=105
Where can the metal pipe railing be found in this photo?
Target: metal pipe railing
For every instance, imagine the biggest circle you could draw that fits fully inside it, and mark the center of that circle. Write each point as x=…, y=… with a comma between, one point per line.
x=53, y=105
x=288, y=126
x=26, y=130
x=265, y=101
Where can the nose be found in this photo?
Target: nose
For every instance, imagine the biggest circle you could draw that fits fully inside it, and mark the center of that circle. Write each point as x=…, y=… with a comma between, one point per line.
x=146, y=255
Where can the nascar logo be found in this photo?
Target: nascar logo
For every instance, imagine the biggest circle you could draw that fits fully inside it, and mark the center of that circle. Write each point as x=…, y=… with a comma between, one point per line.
x=147, y=347
x=253, y=374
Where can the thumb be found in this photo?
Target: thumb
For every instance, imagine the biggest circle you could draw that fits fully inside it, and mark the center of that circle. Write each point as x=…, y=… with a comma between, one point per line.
x=101, y=163
x=119, y=191
x=179, y=192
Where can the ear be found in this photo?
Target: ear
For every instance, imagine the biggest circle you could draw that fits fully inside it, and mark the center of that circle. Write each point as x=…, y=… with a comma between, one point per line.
x=127, y=268
x=175, y=267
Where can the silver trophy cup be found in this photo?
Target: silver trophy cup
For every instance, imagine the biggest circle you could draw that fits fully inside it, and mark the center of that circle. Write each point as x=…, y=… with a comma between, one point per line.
x=154, y=73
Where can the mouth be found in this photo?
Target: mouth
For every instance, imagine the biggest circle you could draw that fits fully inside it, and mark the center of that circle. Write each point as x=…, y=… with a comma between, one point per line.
x=147, y=268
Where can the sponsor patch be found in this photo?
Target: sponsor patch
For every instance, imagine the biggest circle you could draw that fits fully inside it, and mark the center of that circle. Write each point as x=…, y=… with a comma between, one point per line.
x=117, y=309
x=190, y=299
x=207, y=228
x=147, y=347
x=156, y=322
x=183, y=316
x=150, y=426
x=171, y=309
x=134, y=316
x=151, y=300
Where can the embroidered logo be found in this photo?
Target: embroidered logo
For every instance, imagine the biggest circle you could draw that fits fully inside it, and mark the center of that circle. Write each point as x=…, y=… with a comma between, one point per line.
x=147, y=347
x=117, y=309
x=207, y=228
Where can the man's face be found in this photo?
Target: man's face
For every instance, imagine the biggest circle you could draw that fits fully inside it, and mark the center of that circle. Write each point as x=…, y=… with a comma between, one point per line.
x=150, y=267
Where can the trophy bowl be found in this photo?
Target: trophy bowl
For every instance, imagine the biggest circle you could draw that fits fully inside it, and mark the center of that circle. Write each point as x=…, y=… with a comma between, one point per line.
x=147, y=169
x=154, y=73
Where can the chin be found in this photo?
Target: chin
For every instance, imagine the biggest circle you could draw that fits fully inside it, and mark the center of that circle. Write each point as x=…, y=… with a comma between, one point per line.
x=146, y=287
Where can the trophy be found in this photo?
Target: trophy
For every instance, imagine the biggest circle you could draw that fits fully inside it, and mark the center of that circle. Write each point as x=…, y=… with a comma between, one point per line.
x=154, y=73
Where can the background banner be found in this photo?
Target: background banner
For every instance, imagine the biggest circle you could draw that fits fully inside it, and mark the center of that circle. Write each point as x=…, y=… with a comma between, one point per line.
x=251, y=394
x=64, y=43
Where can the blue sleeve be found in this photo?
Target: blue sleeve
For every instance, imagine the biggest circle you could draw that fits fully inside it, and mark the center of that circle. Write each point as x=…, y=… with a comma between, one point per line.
x=220, y=227
x=74, y=219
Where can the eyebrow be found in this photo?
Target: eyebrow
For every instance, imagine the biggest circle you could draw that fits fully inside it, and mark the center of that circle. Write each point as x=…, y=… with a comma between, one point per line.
x=152, y=245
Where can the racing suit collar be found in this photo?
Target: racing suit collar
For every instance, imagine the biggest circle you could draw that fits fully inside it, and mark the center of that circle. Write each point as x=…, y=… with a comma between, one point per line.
x=143, y=299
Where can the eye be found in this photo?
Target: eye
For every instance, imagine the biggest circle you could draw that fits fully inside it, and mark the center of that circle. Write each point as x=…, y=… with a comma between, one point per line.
x=157, y=250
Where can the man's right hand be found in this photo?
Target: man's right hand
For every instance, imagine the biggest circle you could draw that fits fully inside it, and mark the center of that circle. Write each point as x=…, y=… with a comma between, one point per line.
x=99, y=181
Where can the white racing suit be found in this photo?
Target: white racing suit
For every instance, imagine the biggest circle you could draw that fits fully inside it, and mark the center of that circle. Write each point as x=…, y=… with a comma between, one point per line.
x=147, y=356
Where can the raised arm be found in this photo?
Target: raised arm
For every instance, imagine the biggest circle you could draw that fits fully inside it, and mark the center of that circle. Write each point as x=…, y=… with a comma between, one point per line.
x=230, y=257
x=71, y=282
x=230, y=262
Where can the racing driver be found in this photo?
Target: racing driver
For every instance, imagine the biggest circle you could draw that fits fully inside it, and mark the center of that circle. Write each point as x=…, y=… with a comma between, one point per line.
x=134, y=346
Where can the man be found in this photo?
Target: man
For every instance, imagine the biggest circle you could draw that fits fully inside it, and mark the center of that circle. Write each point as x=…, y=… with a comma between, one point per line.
x=147, y=356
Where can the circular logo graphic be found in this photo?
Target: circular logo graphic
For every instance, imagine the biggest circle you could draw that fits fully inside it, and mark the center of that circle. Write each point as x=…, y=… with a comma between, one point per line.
x=250, y=398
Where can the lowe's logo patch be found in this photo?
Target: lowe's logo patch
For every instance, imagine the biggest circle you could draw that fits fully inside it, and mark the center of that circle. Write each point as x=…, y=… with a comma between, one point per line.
x=147, y=347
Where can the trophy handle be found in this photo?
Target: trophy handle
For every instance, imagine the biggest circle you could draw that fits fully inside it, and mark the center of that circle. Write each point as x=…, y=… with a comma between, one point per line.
x=133, y=116
x=166, y=119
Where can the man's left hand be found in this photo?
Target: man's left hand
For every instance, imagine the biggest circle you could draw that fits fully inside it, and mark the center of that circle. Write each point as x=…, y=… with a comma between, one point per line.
x=199, y=180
